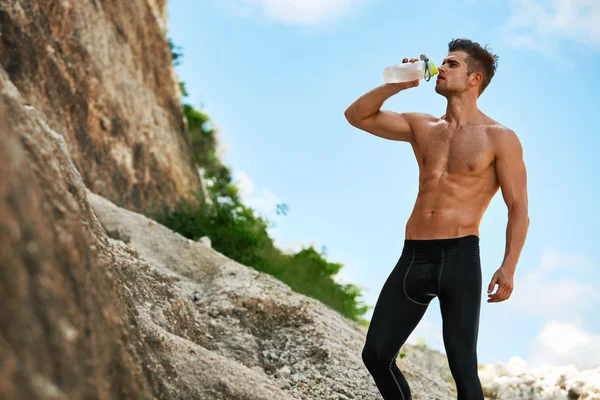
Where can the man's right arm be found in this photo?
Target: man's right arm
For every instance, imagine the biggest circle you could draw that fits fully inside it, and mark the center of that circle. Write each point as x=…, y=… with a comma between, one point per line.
x=366, y=114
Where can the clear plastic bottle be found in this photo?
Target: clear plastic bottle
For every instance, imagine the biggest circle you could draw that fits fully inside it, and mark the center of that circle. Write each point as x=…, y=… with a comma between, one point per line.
x=407, y=72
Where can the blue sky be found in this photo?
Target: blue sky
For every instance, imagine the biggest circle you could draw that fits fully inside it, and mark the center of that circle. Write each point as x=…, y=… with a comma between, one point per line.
x=276, y=76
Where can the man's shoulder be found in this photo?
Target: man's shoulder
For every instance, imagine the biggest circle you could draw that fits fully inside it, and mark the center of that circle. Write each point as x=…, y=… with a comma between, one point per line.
x=499, y=132
x=421, y=117
x=496, y=128
x=421, y=123
x=505, y=140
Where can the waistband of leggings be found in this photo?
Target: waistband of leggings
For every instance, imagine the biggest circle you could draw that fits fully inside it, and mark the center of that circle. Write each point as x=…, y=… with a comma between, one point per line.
x=440, y=243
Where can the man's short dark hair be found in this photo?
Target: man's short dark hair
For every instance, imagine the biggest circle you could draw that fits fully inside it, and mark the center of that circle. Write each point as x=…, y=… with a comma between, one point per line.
x=479, y=59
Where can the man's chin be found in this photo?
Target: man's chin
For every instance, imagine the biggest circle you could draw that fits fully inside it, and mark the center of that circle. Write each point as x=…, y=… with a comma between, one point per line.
x=441, y=88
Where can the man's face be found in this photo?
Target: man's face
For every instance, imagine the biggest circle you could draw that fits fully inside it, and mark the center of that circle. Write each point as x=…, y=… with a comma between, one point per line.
x=452, y=76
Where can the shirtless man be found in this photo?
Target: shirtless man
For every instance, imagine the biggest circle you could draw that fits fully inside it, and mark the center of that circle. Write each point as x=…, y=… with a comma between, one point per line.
x=464, y=157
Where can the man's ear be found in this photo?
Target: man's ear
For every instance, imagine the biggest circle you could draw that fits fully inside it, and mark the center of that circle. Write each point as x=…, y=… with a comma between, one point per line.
x=476, y=78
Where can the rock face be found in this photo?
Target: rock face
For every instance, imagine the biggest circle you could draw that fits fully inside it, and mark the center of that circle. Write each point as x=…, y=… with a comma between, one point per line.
x=64, y=322
x=100, y=74
x=83, y=315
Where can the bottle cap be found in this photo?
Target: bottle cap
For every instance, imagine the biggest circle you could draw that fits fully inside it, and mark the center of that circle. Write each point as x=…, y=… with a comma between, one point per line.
x=434, y=69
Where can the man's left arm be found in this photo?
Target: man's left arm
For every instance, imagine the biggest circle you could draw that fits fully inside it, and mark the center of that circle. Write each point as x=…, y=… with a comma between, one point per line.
x=512, y=176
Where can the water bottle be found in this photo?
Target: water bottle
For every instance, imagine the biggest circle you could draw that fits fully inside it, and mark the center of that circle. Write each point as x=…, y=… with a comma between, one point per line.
x=407, y=72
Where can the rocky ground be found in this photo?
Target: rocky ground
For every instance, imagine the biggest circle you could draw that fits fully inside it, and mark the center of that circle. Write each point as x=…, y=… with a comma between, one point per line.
x=192, y=299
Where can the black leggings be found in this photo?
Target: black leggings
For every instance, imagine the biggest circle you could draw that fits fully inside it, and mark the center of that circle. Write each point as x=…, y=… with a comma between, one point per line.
x=449, y=269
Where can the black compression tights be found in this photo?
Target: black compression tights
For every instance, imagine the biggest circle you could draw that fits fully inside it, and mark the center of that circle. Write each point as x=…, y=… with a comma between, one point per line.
x=449, y=269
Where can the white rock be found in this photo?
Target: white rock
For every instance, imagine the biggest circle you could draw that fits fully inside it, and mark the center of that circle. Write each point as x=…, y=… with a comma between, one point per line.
x=285, y=372
x=205, y=240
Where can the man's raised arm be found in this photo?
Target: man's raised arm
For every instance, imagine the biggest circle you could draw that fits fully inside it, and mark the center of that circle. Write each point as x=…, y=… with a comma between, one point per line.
x=366, y=114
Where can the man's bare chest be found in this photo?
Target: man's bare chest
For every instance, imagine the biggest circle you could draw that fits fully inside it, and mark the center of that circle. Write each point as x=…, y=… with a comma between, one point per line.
x=463, y=152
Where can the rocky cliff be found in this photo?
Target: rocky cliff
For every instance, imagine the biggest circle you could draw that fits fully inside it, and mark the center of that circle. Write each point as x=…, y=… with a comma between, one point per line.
x=64, y=322
x=100, y=74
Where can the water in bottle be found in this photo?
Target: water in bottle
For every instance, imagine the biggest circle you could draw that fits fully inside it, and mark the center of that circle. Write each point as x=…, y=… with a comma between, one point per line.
x=407, y=72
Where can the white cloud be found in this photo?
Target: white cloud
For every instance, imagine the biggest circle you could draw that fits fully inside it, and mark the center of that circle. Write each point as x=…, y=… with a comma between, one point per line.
x=560, y=343
x=265, y=201
x=350, y=273
x=538, y=294
x=541, y=24
x=565, y=305
x=535, y=294
x=553, y=259
x=301, y=12
x=562, y=338
x=244, y=183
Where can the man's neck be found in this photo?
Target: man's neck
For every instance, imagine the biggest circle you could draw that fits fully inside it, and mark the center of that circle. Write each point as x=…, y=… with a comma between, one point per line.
x=461, y=111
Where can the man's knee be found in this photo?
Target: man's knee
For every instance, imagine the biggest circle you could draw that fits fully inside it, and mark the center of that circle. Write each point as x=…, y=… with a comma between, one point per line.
x=369, y=356
x=373, y=358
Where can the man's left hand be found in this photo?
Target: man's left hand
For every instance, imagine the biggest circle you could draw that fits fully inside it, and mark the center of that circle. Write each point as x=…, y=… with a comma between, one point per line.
x=504, y=279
